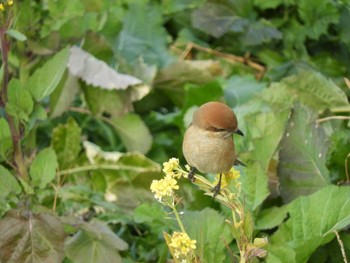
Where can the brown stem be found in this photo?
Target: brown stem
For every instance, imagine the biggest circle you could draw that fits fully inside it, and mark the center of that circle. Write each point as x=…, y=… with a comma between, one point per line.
x=16, y=138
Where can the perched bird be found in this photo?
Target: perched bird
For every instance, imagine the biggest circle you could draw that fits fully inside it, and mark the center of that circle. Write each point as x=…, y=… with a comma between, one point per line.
x=208, y=142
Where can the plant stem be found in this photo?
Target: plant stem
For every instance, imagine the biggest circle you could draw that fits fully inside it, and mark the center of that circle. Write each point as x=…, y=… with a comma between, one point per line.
x=16, y=138
x=173, y=207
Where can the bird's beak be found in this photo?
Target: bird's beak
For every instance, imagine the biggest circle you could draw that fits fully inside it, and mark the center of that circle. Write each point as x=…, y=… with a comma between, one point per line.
x=239, y=132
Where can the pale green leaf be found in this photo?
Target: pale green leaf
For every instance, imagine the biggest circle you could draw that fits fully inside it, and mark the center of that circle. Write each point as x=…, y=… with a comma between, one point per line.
x=16, y=35
x=133, y=132
x=66, y=143
x=20, y=100
x=45, y=79
x=95, y=243
x=271, y=217
x=303, y=149
x=208, y=228
x=43, y=168
x=311, y=222
x=63, y=96
x=8, y=183
x=5, y=138
x=31, y=238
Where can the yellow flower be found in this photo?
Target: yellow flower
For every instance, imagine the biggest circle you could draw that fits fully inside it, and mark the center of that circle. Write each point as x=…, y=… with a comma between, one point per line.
x=2, y=7
x=233, y=174
x=182, y=244
x=172, y=168
x=164, y=187
x=9, y=2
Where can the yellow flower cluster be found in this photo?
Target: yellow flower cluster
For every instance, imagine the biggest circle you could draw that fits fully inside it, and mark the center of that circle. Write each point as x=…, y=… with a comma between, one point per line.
x=164, y=187
x=182, y=244
x=232, y=175
x=8, y=3
x=167, y=185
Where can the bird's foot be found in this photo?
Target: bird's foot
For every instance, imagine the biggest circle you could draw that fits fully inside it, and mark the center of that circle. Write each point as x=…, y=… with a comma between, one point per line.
x=191, y=174
x=216, y=189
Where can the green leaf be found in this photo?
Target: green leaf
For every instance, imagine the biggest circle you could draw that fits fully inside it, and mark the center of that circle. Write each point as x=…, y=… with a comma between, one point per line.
x=5, y=138
x=95, y=242
x=154, y=215
x=209, y=229
x=8, y=183
x=311, y=222
x=315, y=90
x=45, y=79
x=63, y=96
x=317, y=16
x=66, y=143
x=31, y=238
x=146, y=40
x=20, y=100
x=260, y=32
x=271, y=217
x=43, y=168
x=133, y=132
x=302, y=156
x=16, y=35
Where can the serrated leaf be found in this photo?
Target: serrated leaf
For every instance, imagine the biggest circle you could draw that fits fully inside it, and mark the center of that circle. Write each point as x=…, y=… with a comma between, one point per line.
x=302, y=156
x=63, y=96
x=311, y=222
x=45, y=79
x=260, y=32
x=66, y=143
x=146, y=40
x=5, y=138
x=95, y=243
x=43, y=168
x=97, y=73
x=208, y=228
x=16, y=35
x=20, y=100
x=134, y=133
x=32, y=238
x=8, y=183
x=214, y=19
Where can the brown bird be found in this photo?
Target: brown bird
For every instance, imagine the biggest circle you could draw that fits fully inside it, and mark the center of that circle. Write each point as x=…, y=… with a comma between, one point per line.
x=208, y=142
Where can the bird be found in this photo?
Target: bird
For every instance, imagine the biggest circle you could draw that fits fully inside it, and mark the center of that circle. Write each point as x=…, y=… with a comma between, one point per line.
x=208, y=144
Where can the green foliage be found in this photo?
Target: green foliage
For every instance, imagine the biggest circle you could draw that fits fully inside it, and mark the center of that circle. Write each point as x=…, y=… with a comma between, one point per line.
x=83, y=130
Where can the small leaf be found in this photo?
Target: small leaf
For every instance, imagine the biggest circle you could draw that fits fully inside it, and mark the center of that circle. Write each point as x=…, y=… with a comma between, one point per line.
x=134, y=133
x=45, y=79
x=95, y=242
x=8, y=183
x=302, y=168
x=32, y=238
x=5, y=138
x=66, y=143
x=43, y=168
x=16, y=35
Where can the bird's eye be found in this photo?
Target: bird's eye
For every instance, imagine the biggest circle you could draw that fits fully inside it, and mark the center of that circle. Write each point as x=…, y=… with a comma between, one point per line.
x=219, y=130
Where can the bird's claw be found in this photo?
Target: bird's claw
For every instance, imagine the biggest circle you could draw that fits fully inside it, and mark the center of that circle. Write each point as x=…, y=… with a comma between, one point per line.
x=191, y=174
x=216, y=190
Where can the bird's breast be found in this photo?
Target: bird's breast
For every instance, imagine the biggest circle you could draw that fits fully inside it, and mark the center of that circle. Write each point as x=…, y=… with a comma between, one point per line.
x=208, y=151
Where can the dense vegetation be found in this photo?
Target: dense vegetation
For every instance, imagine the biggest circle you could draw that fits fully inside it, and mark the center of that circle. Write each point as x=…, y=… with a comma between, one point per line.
x=96, y=96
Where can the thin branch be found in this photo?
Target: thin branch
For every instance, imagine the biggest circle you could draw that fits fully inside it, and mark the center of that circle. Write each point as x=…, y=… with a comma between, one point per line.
x=340, y=242
x=346, y=168
x=333, y=118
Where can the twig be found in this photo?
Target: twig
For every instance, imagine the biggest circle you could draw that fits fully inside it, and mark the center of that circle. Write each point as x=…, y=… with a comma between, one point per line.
x=347, y=82
x=340, y=242
x=346, y=168
x=333, y=118
x=228, y=57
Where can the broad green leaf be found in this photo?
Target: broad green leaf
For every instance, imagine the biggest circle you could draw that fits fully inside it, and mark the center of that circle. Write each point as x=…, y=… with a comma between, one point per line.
x=210, y=231
x=27, y=237
x=16, y=35
x=63, y=96
x=133, y=132
x=43, y=168
x=66, y=143
x=302, y=156
x=315, y=90
x=146, y=40
x=20, y=100
x=5, y=138
x=95, y=243
x=45, y=79
x=239, y=90
x=260, y=32
x=310, y=13
x=311, y=222
x=271, y=217
x=8, y=183
x=214, y=19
